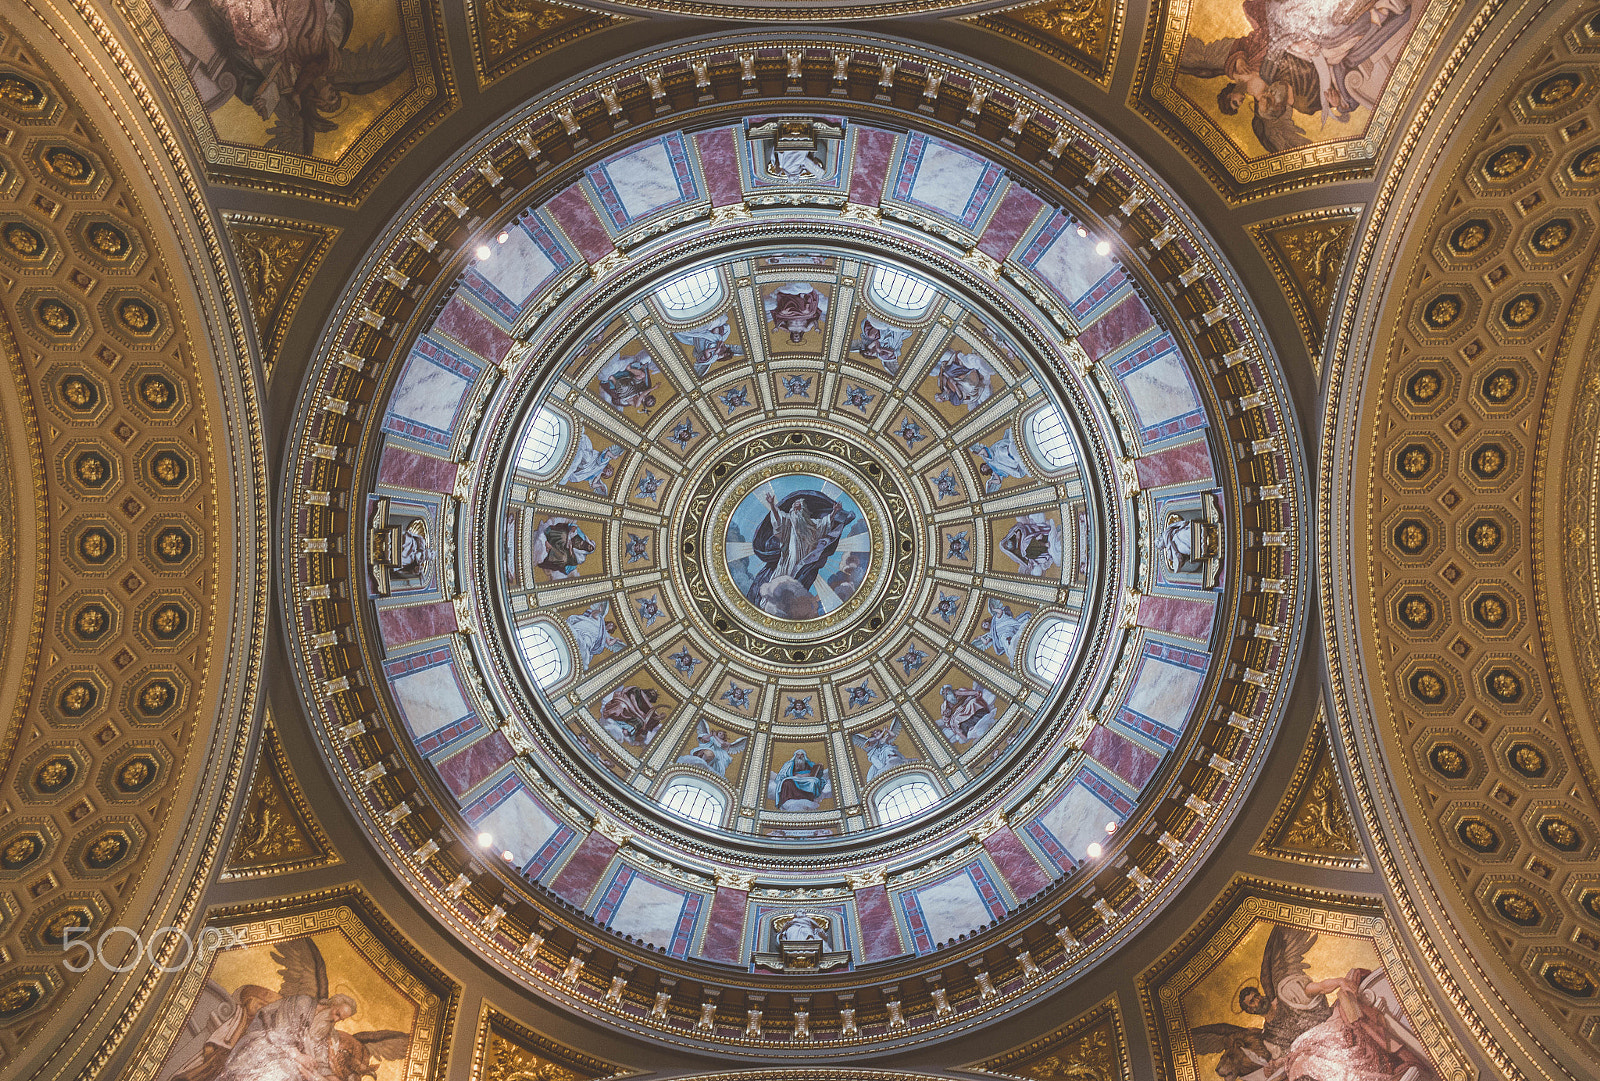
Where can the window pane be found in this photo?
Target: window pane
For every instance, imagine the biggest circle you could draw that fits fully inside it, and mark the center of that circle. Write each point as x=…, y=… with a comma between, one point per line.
x=900, y=290
x=694, y=803
x=1048, y=431
x=1052, y=648
x=689, y=292
x=905, y=800
x=544, y=654
x=541, y=443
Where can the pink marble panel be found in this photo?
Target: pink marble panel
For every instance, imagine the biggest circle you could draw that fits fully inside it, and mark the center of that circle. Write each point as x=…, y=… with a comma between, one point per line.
x=463, y=323
x=1123, y=322
x=464, y=770
x=1016, y=864
x=724, y=939
x=1180, y=615
x=578, y=220
x=399, y=626
x=1121, y=755
x=405, y=469
x=1175, y=465
x=719, y=163
x=870, y=165
x=880, y=939
x=578, y=877
x=1013, y=218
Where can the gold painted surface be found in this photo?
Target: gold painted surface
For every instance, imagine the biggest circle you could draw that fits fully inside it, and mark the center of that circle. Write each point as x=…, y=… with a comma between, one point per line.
x=287, y=962
x=1292, y=977
x=1090, y=1047
x=1287, y=56
x=1313, y=824
x=1307, y=254
x=300, y=97
x=277, y=833
x=506, y=34
x=508, y=1051
x=277, y=259
x=1083, y=34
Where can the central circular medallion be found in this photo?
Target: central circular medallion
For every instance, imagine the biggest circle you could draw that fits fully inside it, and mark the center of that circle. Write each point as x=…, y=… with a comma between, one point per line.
x=798, y=547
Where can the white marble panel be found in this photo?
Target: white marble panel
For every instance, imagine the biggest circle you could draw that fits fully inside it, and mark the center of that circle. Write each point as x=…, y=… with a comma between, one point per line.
x=946, y=178
x=952, y=908
x=1164, y=692
x=1071, y=265
x=649, y=911
x=428, y=394
x=519, y=825
x=518, y=267
x=429, y=699
x=1078, y=819
x=644, y=180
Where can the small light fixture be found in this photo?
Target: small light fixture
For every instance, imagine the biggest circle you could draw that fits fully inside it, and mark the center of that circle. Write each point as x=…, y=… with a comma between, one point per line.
x=1095, y=850
x=1111, y=827
x=1083, y=231
x=484, y=251
x=506, y=855
x=503, y=237
x=1103, y=248
x=485, y=840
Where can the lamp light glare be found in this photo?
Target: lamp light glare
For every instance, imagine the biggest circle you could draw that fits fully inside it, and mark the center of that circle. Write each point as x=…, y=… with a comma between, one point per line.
x=485, y=840
x=506, y=855
x=503, y=237
x=1095, y=850
x=1103, y=248
x=1082, y=231
x=484, y=251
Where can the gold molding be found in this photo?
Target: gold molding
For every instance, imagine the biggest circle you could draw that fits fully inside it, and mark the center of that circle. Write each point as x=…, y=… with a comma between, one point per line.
x=276, y=833
x=1307, y=254
x=1094, y=59
x=506, y=1050
x=486, y=19
x=1313, y=824
x=1091, y=1047
x=276, y=259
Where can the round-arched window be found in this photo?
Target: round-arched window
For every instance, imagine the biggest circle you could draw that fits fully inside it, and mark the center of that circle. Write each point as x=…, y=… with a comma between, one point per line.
x=696, y=292
x=906, y=799
x=1046, y=431
x=543, y=442
x=1051, y=647
x=900, y=292
x=545, y=654
x=696, y=802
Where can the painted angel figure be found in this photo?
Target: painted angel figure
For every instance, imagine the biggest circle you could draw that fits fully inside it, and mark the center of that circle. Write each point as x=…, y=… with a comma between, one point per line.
x=967, y=713
x=1034, y=544
x=880, y=747
x=625, y=381
x=800, y=533
x=592, y=631
x=1002, y=630
x=713, y=749
x=882, y=343
x=592, y=467
x=801, y=785
x=709, y=344
x=796, y=307
x=997, y=461
x=964, y=379
x=289, y=1034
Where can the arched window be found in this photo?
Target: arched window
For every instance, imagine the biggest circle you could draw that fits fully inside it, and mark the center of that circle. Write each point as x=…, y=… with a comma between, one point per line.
x=1047, y=434
x=542, y=442
x=696, y=802
x=905, y=799
x=900, y=292
x=1051, y=647
x=545, y=654
x=693, y=294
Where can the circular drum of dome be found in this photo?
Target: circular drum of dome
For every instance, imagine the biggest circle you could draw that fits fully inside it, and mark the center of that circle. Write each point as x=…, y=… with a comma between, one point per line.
x=781, y=520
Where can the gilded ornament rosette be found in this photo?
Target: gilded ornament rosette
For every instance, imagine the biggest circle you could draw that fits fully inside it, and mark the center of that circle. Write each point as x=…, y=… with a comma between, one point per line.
x=1085, y=35
x=1242, y=163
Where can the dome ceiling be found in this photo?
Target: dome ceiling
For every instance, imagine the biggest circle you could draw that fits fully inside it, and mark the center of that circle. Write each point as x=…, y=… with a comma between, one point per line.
x=797, y=519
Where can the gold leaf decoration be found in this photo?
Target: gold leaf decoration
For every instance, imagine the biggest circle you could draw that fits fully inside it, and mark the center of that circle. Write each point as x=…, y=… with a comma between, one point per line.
x=1313, y=823
x=1079, y=33
x=277, y=833
x=1090, y=1047
x=508, y=33
x=508, y=1051
x=1307, y=255
x=277, y=259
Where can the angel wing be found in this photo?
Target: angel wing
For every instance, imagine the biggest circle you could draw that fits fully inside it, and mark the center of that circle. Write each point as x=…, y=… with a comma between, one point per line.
x=1284, y=956
x=363, y=70
x=385, y=1043
x=859, y=739
x=1222, y=1037
x=1278, y=135
x=301, y=970
x=735, y=746
x=702, y=731
x=291, y=131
